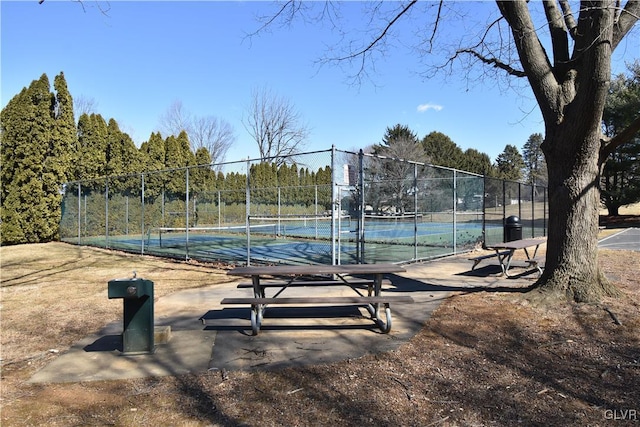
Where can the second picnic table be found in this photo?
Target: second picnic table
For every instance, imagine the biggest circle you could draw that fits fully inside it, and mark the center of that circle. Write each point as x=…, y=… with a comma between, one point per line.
x=505, y=252
x=320, y=275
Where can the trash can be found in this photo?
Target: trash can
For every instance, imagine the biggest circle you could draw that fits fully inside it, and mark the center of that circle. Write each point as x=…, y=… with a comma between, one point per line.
x=137, y=295
x=512, y=229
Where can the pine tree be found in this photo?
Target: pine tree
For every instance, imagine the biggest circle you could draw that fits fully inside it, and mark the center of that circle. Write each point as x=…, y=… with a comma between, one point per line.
x=442, y=151
x=152, y=159
x=620, y=182
x=30, y=196
x=399, y=134
x=91, y=149
x=535, y=165
x=476, y=162
x=178, y=155
x=57, y=167
x=510, y=164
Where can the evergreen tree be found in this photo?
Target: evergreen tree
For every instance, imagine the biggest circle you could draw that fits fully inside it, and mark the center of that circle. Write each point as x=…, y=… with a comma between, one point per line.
x=122, y=154
x=153, y=153
x=35, y=157
x=620, y=183
x=442, y=151
x=393, y=136
x=65, y=135
x=122, y=158
x=58, y=158
x=476, y=162
x=178, y=156
x=289, y=182
x=202, y=178
x=91, y=148
x=510, y=164
x=534, y=163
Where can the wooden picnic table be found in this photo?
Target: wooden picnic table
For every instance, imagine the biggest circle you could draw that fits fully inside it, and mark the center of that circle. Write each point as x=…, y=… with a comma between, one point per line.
x=314, y=276
x=504, y=252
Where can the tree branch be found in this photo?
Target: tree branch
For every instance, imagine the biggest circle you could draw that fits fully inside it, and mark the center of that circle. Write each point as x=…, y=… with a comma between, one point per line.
x=435, y=26
x=81, y=2
x=569, y=19
x=494, y=62
x=559, y=37
x=608, y=147
x=275, y=16
x=384, y=32
x=627, y=19
x=534, y=59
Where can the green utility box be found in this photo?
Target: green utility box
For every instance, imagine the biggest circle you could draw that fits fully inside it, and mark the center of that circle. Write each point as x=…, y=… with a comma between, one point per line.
x=137, y=295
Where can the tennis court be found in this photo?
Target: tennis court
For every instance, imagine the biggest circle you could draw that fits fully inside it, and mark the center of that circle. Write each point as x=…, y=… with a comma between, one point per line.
x=308, y=239
x=329, y=206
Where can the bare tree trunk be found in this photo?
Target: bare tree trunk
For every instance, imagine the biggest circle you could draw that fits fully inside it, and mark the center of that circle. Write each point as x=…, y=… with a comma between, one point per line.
x=574, y=199
x=571, y=93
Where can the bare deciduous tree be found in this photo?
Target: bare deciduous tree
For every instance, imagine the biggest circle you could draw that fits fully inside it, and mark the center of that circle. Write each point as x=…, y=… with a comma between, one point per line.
x=216, y=135
x=397, y=174
x=275, y=125
x=565, y=56
x=84, y=105
x=175, y=120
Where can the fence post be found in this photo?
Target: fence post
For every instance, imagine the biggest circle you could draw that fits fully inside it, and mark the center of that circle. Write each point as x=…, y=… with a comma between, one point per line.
x=333, y=205
x=126, y=215
x=484, y=210
x=142, y=214
x=455, y=211
x=106, y=213
x=504, y=208
x=544, y=211
x=248, y=211
x=533, y=210
x=186, y=213
x=415, y=211
x=362, y=207
x=519, y=199
x=279, y=225
x=315, y=195
x=79, y=211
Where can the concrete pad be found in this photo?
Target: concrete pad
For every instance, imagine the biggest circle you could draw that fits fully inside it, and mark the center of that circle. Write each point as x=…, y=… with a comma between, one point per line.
x=290, y=336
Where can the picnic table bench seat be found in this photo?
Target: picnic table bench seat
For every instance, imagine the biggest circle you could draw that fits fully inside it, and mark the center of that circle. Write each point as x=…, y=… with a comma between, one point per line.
x=476, y=260
x=370, y=302
x=359, y=283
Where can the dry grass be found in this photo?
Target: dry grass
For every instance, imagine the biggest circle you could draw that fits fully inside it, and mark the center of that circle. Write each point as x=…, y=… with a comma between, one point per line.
x=482, y=359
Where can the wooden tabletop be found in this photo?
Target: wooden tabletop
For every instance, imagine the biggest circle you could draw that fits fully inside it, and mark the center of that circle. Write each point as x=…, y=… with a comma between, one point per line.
x=314, y=269
x=519, y=244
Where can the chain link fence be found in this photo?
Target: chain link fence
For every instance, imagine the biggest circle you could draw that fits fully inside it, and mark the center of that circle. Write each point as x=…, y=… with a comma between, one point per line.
x=328, y=207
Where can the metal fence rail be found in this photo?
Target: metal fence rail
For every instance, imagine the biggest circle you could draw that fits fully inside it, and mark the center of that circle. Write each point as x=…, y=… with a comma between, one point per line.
x=331, y=207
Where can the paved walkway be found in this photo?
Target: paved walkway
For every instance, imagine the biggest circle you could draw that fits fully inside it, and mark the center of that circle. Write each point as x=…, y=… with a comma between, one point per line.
x=289, y=336
x=627, y=239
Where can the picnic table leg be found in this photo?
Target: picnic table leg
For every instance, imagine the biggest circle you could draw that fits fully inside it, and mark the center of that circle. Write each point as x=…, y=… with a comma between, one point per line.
x=385, y=327
x=374, y=309
x=501, y=258
x=256, y=318
x=377, y=286
x=532, y=261
x=257, y=310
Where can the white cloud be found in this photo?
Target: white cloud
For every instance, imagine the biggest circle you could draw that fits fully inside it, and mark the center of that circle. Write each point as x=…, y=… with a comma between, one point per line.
x=424, y=107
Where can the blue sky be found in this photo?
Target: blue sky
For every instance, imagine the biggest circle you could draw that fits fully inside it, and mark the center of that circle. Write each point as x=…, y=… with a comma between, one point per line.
x=138, y=58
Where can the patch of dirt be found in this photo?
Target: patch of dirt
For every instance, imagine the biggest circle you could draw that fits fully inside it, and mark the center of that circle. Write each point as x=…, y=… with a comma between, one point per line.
x=482, y=359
